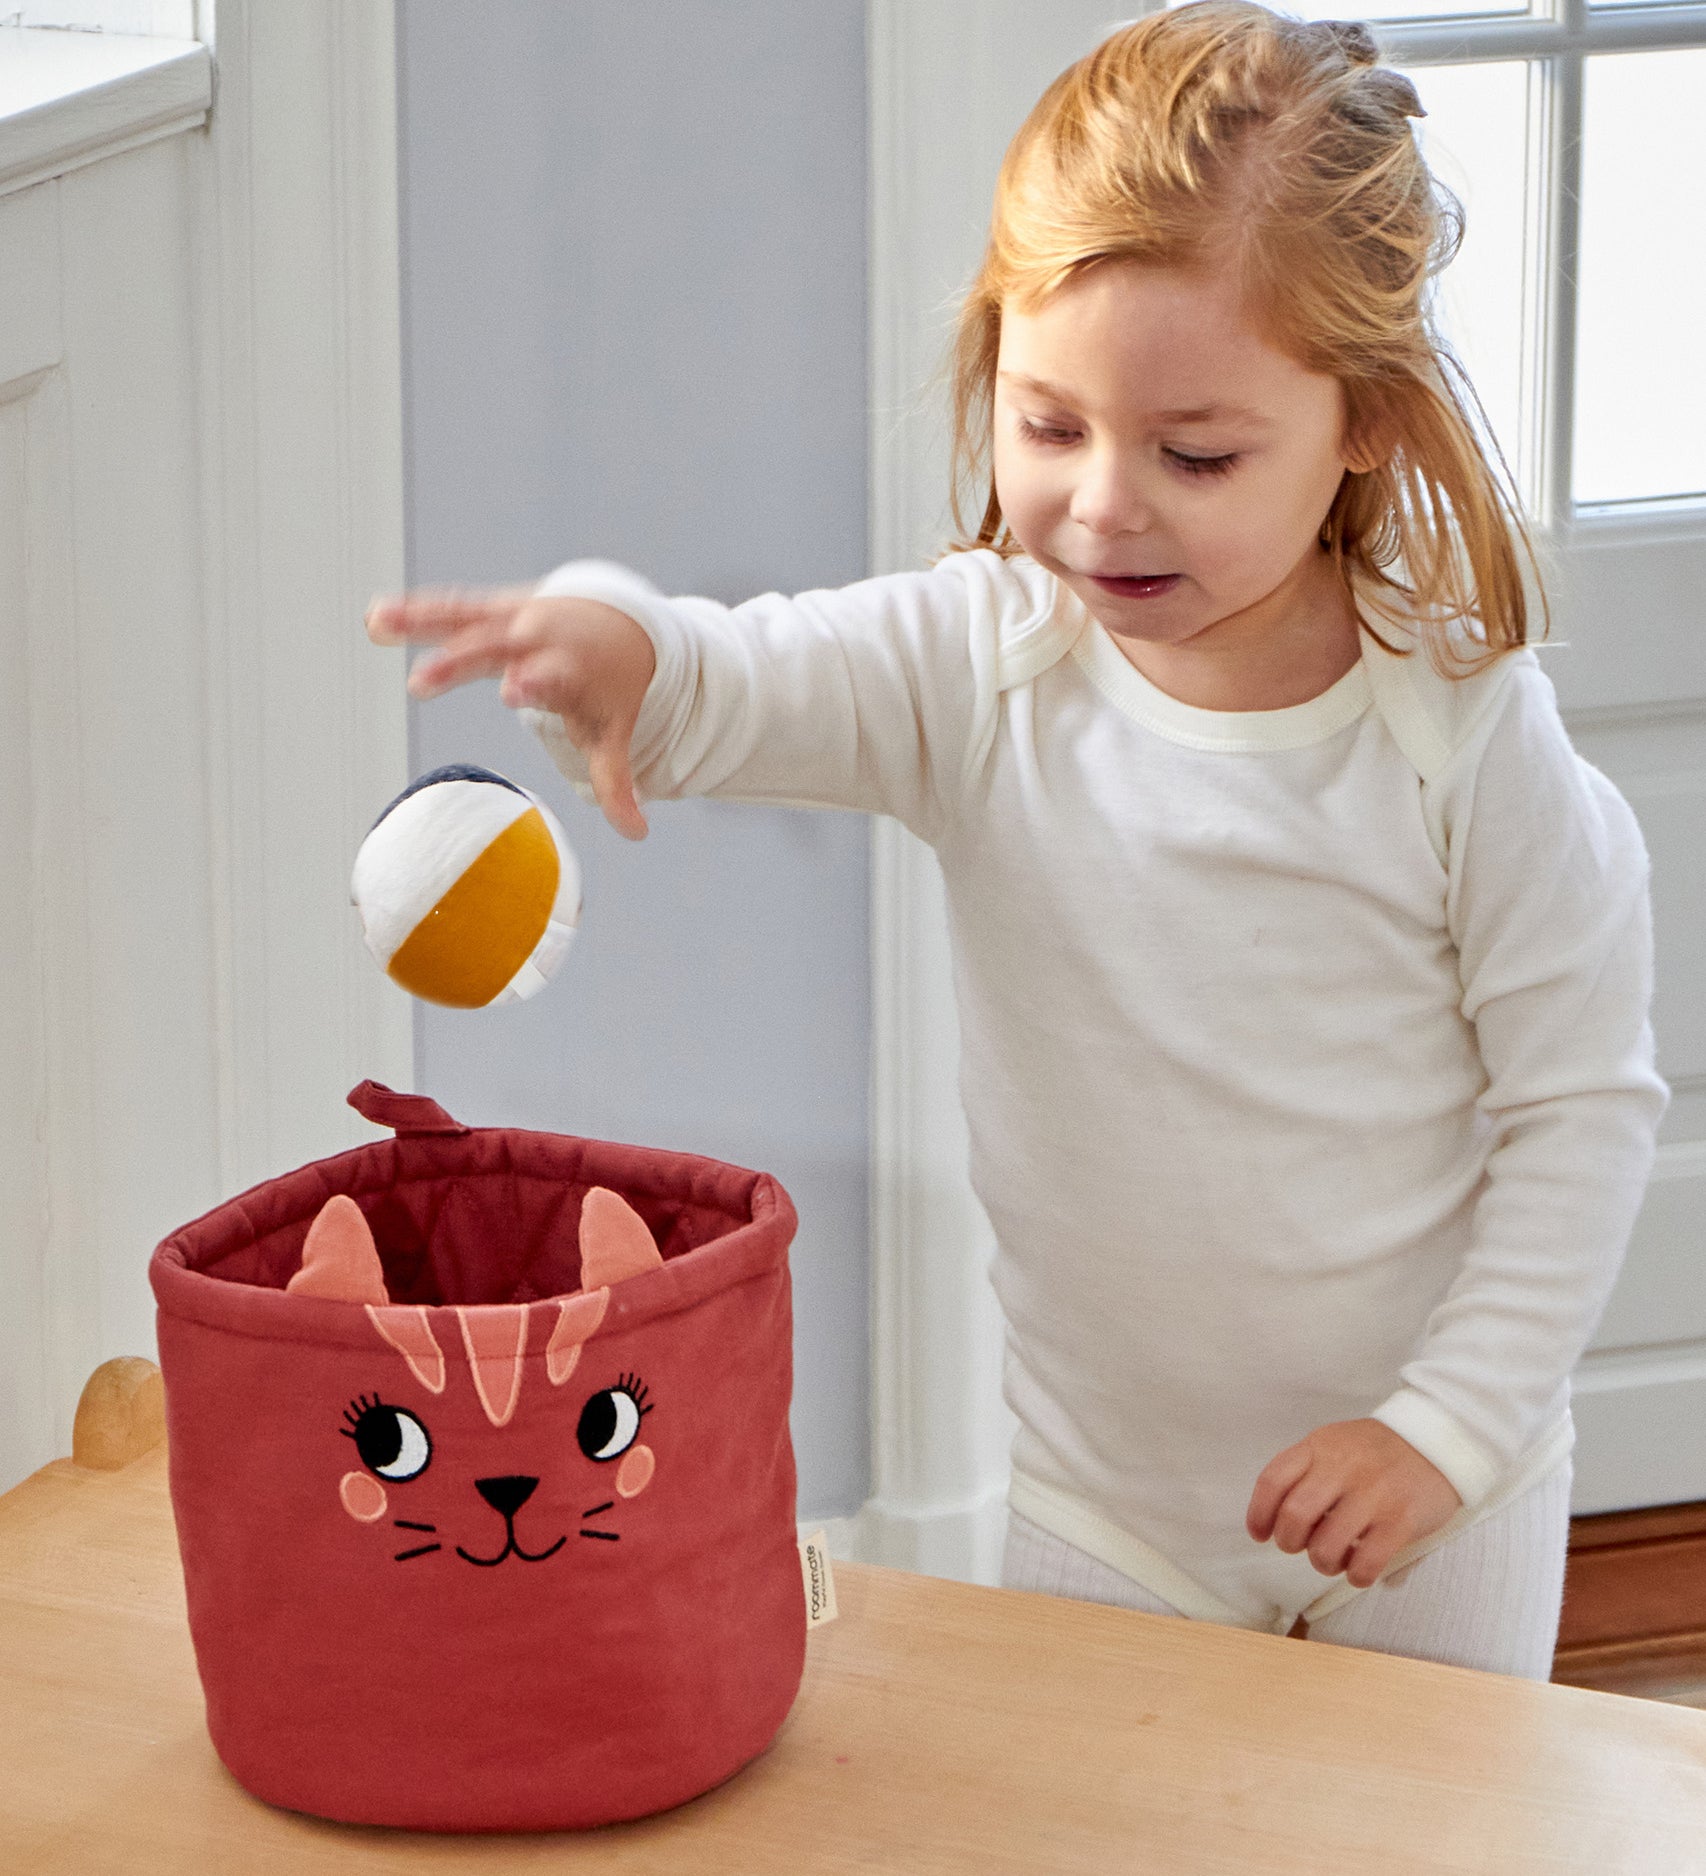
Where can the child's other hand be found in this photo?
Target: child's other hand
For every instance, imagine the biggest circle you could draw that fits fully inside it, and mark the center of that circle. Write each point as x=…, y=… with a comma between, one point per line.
x=586, y=662
x=1352, y=1494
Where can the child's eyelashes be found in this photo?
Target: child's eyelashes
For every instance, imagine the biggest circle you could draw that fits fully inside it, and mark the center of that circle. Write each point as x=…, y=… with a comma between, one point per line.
x=1048, y=433
x=1201, y=465
x=1060, y=436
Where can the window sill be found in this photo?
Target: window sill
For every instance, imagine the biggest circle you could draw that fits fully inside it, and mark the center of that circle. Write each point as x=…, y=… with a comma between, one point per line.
x=70, y=98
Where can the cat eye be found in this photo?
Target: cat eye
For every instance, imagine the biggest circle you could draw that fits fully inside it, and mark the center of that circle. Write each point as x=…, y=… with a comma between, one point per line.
x=390, y=1440
x=610, y=1420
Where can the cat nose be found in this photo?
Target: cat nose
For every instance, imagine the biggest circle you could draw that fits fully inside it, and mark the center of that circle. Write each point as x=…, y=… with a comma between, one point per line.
x=507, y=1495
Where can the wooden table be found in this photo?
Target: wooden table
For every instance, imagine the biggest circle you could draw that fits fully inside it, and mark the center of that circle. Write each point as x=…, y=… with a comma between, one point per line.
x=940, y=1728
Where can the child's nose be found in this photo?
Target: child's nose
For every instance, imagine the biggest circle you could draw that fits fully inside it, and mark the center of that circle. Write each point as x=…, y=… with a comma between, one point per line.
x=1108, y=498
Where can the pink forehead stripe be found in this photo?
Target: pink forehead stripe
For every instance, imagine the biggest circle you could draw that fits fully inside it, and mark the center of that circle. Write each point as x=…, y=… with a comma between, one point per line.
x=495, y=1335
x=410, y=1333
x=578, y=1318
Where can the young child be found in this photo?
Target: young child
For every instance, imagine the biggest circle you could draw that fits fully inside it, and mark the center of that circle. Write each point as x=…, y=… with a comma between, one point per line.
x=1303, y=968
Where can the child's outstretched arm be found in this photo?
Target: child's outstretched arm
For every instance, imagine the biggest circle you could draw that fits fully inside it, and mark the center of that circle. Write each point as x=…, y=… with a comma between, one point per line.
x=882, y=695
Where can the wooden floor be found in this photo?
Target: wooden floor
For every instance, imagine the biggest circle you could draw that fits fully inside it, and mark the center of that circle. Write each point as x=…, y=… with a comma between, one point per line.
x=1635, y=1605
x=1678, y=1678
x=1688, y=1691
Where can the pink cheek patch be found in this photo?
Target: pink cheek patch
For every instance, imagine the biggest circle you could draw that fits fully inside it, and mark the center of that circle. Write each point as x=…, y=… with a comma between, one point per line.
x=363, y=1496
x=635, y=1472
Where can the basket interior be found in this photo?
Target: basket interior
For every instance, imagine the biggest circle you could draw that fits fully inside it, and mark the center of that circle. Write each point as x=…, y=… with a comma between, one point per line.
x=489, y=1218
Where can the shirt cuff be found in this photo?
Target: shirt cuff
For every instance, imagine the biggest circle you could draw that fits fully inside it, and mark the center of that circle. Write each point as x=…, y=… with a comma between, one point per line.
x=1443, y=1440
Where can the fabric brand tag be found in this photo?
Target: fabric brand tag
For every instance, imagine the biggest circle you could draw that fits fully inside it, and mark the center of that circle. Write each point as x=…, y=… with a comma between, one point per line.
x=820, y=1581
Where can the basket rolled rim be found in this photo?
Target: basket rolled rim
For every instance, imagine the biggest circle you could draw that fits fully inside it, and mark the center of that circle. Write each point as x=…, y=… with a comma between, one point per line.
x=183, y=1268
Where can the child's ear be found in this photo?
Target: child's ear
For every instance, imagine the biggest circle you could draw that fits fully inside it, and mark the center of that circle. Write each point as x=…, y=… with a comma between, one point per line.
x=614, y=1240
x=1364, y=455
x=1370, y=437
x=339, y=1257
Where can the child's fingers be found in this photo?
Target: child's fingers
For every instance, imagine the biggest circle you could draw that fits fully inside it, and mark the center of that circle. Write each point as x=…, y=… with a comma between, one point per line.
x=1374, y=1550
x=550, y=678
x=433, y=614
x=477, y=651
x=1335, y=1540
x=1306, y=1504
x=613, y=784
x=1278, y=1476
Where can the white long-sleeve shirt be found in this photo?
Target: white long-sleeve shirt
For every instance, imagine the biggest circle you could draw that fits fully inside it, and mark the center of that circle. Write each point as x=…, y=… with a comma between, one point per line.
x=1306, y=1054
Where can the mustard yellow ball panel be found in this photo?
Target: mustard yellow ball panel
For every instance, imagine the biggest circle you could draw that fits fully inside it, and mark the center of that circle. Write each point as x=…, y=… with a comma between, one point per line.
x=467, y=889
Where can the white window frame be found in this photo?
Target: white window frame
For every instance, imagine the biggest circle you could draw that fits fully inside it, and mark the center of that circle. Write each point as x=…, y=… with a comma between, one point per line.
x=70, y=96
x=1558, y=48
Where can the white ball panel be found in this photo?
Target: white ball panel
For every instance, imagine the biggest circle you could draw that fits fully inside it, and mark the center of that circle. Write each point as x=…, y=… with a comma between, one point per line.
x=419, y=851
x=567, y=910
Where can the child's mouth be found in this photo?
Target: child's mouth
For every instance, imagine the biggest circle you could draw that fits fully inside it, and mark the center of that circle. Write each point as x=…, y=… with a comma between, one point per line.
x=1137, y=585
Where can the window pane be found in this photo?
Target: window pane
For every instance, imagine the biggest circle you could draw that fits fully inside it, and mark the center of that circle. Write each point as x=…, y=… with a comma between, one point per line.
x=1476, y=141
x=171, y=19
x=1379, y=10
x=1640, y=385
x=1400, y=9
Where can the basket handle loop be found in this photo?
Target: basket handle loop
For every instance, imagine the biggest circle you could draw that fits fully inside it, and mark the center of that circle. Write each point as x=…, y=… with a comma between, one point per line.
x=403, y=1113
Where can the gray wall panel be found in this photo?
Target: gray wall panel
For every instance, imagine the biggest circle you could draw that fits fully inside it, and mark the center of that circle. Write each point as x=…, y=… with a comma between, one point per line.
x=634, y=326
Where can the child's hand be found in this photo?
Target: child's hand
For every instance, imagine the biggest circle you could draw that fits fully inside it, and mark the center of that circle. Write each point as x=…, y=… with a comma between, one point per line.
x=584, y=661
x=1353, y=1494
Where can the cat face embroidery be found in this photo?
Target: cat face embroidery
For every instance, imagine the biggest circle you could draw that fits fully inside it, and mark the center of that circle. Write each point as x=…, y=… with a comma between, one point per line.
x=394, y=1444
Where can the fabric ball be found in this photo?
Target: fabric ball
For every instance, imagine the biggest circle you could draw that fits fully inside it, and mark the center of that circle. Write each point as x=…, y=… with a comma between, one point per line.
x=468, y=889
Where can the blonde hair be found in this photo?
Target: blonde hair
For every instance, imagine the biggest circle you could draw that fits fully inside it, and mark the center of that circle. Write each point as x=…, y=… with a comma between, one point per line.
x=1221, y=128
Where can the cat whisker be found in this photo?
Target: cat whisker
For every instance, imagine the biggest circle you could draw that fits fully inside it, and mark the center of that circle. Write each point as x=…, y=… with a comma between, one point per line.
x=593, y=1513
x=610, y=1537
x=403, y=1556
x=407, y=1524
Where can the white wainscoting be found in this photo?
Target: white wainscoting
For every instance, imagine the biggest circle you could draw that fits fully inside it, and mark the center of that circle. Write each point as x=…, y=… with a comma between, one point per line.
x=200, y=486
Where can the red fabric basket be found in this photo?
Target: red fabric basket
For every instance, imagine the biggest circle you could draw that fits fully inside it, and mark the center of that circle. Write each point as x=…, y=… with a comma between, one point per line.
x=521, y=1634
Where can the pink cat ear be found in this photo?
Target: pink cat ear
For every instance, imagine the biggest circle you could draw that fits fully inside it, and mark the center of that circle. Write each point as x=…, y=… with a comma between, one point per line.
x=339, y=1258
x=614, y=1240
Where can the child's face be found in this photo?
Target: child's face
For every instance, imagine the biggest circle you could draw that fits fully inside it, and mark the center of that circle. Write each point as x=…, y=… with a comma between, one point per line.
x=1158, y=454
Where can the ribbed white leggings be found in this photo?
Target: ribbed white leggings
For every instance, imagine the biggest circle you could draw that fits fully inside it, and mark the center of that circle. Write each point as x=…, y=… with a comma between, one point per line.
x=1489, y=1598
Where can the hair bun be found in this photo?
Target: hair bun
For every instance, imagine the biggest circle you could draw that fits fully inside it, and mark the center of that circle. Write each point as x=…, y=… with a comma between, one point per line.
x=1400, y=93
x=1353, y=39
x=1356, y=42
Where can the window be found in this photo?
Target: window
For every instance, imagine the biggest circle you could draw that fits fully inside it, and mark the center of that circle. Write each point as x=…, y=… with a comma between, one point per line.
x=78, y=83
x=154, y=19
x=1577, y=140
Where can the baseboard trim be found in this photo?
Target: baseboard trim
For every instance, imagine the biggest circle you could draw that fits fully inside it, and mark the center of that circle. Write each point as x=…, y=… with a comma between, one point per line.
x=1634, y=1600
x=963, y=1542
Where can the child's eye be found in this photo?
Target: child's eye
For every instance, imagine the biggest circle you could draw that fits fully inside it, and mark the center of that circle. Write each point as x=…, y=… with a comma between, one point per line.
x=1047, y=433
x=1202, y=465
